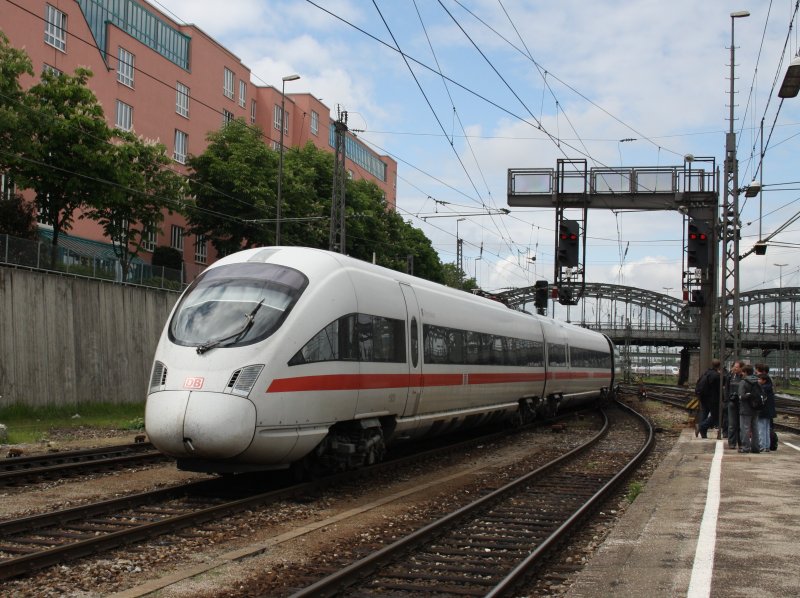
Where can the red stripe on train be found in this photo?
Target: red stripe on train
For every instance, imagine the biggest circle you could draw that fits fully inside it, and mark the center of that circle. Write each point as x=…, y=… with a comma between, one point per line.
x=377, y=381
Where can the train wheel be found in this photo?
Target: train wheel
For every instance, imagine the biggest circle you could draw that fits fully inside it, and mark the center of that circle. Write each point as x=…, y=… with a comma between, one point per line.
x=375, y=446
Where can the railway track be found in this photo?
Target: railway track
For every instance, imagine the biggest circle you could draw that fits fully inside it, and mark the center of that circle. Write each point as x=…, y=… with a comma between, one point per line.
x=62, y=464
x=490, y=546
x=31, y=543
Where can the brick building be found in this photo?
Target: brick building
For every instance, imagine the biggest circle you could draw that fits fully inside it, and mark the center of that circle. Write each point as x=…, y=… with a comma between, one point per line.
x=173, y=83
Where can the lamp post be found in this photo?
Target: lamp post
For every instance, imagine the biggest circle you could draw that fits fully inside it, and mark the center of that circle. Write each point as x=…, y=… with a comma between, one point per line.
x=280, y=159
x=729, y=296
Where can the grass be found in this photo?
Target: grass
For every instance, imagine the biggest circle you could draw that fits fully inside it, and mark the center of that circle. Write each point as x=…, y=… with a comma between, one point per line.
x=634, y=490
x=27, y=424
x=793, y=389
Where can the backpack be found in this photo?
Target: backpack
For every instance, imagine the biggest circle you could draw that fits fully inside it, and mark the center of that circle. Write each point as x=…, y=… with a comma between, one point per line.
x=754, y=396
x=702, y=384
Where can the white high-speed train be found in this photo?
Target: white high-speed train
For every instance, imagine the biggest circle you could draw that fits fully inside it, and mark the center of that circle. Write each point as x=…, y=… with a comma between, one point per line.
x=283, y=355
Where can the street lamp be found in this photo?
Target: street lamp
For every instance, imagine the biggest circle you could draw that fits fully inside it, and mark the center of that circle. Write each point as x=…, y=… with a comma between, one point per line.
x=280, y=150
x=791, y=82
x=729, y=303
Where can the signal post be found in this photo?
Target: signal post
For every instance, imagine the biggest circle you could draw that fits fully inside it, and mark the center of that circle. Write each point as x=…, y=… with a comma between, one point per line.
x=691, y=189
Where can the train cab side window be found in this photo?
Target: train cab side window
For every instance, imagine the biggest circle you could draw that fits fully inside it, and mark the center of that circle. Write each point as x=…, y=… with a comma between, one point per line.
x=335, y=342
x=414, y=343
x=356, y=337
x=381, y=339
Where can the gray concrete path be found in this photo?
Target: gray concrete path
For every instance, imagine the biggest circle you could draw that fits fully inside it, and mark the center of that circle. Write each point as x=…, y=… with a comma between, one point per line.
x=736, y=536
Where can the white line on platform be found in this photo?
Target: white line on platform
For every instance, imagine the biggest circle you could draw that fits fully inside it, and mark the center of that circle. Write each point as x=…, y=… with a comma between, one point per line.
x=797, y=448
x=703, y=567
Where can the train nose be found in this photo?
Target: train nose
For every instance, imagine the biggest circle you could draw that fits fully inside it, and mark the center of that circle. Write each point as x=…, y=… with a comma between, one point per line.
x=200, y=424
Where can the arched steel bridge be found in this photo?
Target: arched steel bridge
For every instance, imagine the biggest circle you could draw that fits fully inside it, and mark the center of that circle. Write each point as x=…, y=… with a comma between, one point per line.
x=630, y=315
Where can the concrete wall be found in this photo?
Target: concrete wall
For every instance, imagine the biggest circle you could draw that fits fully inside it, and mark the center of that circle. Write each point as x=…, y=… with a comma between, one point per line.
x=68, y=340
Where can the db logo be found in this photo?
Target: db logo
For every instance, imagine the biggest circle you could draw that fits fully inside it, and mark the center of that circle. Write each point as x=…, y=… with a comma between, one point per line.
x=194, y=383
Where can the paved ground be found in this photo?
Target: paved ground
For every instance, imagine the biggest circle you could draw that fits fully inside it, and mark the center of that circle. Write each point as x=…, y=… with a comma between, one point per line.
x=735, y=536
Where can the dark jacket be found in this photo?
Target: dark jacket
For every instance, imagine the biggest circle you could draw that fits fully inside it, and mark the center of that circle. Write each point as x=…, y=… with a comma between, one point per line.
x=732, y=387
x=769, y=410
x=744, y=406
x=708, y=386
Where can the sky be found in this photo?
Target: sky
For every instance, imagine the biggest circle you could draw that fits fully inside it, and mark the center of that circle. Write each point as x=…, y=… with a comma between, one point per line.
x=482, y=86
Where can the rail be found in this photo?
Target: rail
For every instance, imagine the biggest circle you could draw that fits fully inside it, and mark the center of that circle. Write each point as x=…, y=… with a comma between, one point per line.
x=501, y=523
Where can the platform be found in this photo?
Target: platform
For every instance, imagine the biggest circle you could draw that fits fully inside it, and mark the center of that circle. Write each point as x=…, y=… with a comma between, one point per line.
x=710, y=522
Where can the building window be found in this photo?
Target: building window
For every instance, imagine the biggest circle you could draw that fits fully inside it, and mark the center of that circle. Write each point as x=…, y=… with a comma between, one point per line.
x=181, y=142
x=252, y=111
x=226, y=117
x=55, y=29
x=124, y=119
x=176, y=237
x=242, y=93
x=314, y=123
x=52, y=70
x=182, y=100
x=276, y=117
x=6, y=187
x=200, y=250
x=125, y=67
x=149, y=240
x=227, y=86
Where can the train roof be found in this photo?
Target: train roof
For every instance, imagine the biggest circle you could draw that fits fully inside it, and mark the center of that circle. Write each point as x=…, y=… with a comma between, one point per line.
x=316, y=263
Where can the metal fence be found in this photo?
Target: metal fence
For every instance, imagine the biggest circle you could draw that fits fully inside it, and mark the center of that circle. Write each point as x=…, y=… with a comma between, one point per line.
x=72, y=260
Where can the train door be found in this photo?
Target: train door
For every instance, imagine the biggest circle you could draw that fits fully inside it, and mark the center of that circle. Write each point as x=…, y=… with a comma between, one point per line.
x=414, y=346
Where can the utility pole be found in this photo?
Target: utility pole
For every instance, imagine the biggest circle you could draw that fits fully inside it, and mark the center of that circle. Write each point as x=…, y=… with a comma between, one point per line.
x=337, y=234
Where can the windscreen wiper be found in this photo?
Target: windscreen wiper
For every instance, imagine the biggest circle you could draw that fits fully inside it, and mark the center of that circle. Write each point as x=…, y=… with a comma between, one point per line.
x=245, y=327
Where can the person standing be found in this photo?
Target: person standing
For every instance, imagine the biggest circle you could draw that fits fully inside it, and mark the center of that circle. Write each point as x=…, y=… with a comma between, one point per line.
x=732, y=403
x=768, y=413
x=708, y=391
x=748, y=417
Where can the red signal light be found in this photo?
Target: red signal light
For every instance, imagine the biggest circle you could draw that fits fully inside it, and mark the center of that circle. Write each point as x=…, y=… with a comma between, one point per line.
x=703, y=237
x=692, y=236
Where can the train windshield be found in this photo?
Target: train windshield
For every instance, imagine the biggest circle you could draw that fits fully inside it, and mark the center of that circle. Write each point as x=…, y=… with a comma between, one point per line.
x=235, y=305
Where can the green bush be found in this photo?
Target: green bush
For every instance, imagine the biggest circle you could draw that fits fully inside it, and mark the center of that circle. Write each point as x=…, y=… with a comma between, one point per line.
x=168, y=257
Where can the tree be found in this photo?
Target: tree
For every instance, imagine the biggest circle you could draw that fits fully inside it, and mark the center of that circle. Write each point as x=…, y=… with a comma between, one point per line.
x=64, y=158
x=234, y=188
x=17, y=218
x=456, y=278
x=306, y=190
x=141, y=188
x=235, y=183
x=13, y=64
x=168, y=257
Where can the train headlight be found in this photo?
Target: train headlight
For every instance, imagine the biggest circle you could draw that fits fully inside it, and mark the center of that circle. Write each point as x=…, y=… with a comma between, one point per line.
x=243, y=380
x=159, y=377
